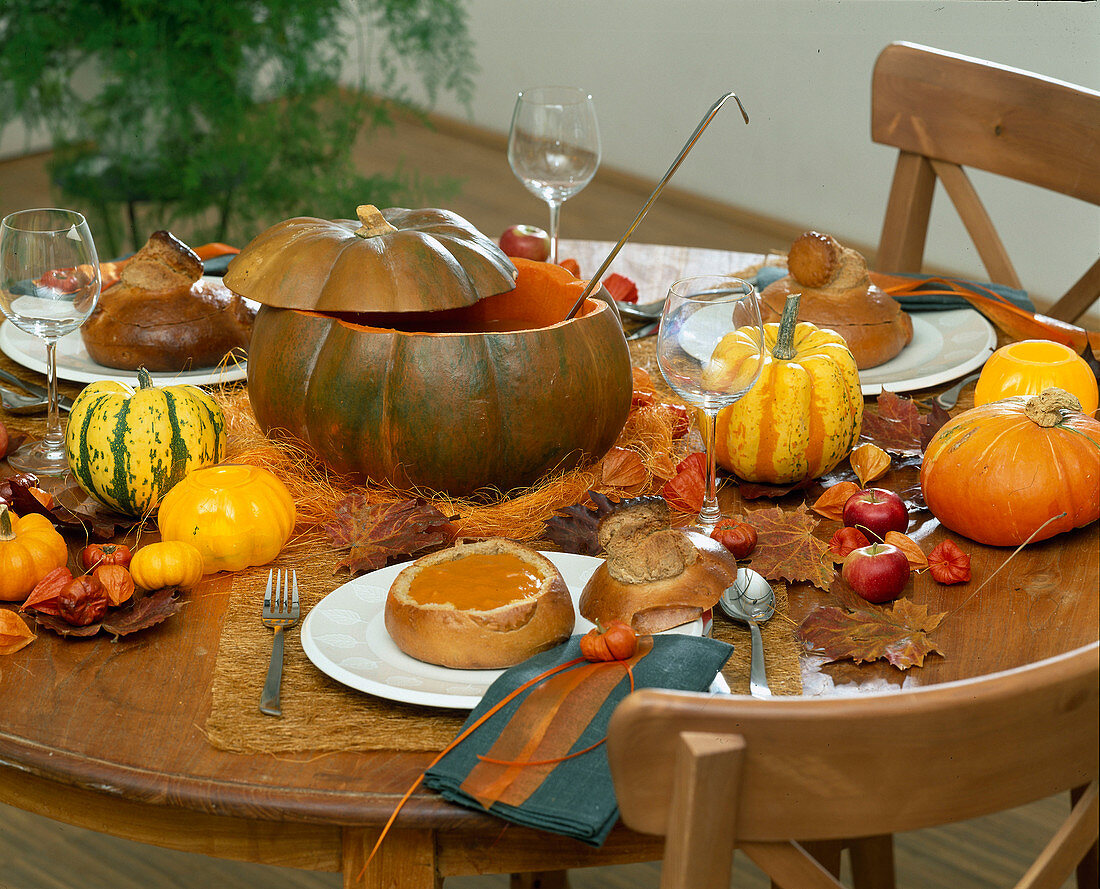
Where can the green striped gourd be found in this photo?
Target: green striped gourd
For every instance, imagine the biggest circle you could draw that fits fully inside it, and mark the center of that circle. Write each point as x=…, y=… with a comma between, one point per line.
x=127, y=447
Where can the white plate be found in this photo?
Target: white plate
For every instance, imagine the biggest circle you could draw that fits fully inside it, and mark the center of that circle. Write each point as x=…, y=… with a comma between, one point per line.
x=76, y=365
x=946, y=345
x=345, y=637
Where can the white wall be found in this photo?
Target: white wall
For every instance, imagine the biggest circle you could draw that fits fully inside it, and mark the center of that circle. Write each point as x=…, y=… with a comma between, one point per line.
x=802, y=69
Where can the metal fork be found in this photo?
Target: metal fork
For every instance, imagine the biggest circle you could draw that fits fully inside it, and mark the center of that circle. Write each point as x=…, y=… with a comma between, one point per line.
x=280, y=612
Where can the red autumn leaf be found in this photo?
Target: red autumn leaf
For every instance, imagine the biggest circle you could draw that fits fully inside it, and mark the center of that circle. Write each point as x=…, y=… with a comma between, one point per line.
x=622, y=468
x=844, y=541
x=898, y=634
x=831, y=503
x=377, y=533
x=573, y=529
x=948, y=564
x=685, y=490
x=621, y=288
x=786, y=548
x=899, y=426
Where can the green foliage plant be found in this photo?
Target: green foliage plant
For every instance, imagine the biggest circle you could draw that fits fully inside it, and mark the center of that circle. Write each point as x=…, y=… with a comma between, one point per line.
x=225, y=115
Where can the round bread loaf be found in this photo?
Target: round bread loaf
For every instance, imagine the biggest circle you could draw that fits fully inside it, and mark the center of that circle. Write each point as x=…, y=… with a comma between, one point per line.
x=651, y=606
x=479, y=606
x=837, y=293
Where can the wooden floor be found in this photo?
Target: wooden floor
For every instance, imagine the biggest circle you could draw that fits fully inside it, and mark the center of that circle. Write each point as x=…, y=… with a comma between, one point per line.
x=36, y=853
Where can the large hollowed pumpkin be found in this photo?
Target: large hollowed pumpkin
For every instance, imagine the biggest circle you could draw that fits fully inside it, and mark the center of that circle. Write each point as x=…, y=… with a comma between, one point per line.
x=1000, y=472
x=494, y=392
x=804, y=413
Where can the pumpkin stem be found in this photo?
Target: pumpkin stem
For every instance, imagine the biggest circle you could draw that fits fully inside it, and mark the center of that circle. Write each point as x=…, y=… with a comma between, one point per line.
x=145, y=380
x=784, y=341
x=373, y=222
x=6, y=532
x=1046, y=409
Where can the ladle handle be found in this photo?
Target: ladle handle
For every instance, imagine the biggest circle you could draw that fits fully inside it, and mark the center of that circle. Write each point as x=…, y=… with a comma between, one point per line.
x=594, y=281
x=758, y=679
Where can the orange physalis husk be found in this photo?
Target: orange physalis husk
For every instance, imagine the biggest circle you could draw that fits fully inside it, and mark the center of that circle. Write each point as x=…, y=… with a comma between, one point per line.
x=621, y=288
x=116, y=581
x=831, y=503
x=869, y=462
x=1018, y=323
x=685, y=490
x=661, y=466
x=913, y=553
x=571, y=266
x=622, y=468
x=215, y=248
x=844, y=541
x=14, y=632
x=644, y=393
x=949, y=564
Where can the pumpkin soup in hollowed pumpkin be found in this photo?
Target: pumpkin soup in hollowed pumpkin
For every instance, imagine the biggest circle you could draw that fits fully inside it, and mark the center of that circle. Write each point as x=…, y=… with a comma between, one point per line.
x=494, y=393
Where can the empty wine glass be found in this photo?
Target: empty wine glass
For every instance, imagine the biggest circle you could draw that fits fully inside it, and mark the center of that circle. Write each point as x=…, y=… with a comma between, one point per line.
x=554, y=146
x=49, y=284
x=699, y=313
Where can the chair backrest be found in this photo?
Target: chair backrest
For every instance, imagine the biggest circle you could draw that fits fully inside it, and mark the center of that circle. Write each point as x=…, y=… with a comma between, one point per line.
x=946, y=112
x=711, y=772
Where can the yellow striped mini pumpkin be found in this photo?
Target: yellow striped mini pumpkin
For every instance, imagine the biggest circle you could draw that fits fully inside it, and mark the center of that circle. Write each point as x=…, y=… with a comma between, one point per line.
x=128, y=447
x=803, y=415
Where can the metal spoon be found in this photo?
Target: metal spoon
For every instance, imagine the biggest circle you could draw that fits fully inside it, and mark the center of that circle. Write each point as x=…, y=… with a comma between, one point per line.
x=751, y=600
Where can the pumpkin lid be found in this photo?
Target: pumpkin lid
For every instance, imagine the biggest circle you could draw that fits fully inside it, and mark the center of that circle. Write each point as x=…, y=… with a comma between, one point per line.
x=393, y=260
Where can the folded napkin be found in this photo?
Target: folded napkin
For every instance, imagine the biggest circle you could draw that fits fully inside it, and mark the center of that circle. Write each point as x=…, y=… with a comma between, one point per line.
x=918, y=301
x=563, y=714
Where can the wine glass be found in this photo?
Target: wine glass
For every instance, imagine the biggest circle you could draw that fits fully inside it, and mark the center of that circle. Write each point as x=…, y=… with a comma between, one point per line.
x=699, y=313
x=49, y=284
x=554, y=146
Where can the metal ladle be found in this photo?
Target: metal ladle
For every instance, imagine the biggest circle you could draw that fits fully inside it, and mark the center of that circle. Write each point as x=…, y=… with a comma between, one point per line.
x=594, y=281
x=751, y=600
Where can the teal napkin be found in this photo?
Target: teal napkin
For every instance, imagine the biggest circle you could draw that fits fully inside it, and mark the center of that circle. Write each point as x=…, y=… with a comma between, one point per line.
x=918, y=302
x=576, y=798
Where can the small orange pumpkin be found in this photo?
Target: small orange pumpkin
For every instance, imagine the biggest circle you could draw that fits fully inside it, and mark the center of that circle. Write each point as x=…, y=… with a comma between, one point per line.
x=996, y=473
x=616, y=642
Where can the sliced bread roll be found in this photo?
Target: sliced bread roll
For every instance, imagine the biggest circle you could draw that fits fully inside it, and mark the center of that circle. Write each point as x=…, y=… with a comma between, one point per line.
x=478, y=606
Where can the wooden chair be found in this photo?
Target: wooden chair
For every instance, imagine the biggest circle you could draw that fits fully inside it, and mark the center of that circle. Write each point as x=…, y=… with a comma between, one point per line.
x=946, y=112
x=712, y=773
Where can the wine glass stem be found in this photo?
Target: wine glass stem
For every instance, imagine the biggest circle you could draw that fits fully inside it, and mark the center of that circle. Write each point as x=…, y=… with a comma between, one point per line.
x=555, y=210
x=711, y=512
x=54, y=441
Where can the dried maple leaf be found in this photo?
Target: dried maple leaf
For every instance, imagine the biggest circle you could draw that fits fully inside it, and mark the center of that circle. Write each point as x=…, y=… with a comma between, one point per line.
x=14, y=632
x=869, y=462
x=898, y=425
x=786, y=548
x=831, y=503
x=913, y=553
x=898, y=634
x=622, y=468
x=759, y=490
x=573, y=529
x=379, y=532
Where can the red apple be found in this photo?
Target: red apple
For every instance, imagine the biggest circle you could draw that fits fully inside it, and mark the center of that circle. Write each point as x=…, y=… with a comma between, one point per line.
x=875, y=511
x=526, y=242
x=878, y=572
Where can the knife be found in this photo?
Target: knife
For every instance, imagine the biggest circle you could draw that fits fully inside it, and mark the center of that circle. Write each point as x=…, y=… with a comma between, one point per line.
x=63, y=401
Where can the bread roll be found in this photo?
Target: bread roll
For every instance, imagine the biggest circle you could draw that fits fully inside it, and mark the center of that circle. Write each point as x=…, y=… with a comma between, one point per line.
x=479, y=606
x=163, y=317
x=837, y=293
x=655, y=577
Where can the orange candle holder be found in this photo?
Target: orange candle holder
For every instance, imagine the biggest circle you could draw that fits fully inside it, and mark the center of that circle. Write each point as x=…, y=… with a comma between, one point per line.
x=1030, y=366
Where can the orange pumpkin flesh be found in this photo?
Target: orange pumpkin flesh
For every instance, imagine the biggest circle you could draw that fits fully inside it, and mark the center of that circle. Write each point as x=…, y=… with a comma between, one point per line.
x=994, y=475
x=496, y=394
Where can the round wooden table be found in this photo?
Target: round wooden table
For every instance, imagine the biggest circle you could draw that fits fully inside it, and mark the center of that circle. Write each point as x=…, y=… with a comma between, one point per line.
x=109, y=735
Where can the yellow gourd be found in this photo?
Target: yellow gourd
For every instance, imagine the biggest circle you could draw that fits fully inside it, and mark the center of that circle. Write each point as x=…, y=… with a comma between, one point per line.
x=237, y=516
x=30, y=548
x=803, y=415
x=1030, y=366
x=168, y=563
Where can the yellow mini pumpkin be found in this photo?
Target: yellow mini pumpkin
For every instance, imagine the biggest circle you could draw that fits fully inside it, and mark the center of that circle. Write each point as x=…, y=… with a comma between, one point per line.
x=803, y=415
x=30, y=548
x=237, y=516
x=168, y=563
x=127, y=447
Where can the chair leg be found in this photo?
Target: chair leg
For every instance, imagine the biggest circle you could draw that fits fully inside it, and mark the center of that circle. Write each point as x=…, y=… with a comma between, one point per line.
x=872, y=862
x=1087, y=869
x=554, y=879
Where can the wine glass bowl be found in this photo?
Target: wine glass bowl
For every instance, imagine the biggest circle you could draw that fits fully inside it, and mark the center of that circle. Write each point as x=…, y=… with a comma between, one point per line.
x=49, y=285
x=701, y=312
x=554, y=146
